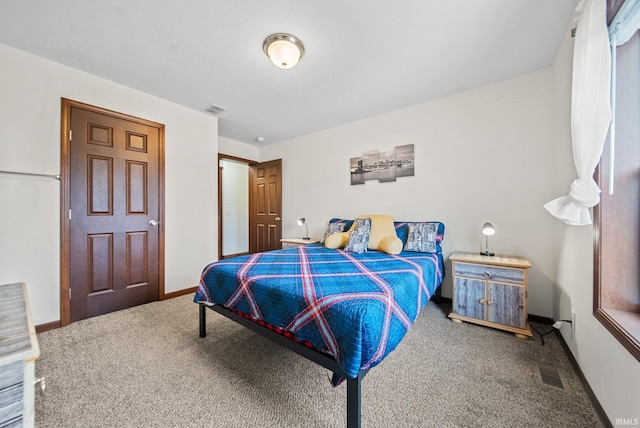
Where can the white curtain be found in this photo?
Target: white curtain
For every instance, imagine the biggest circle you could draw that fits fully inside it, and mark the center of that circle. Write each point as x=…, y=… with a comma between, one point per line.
x=590, y=113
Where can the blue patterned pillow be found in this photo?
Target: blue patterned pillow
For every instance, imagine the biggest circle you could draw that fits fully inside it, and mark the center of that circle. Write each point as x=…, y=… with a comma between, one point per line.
x=347, y=223
x=402, y=230
x=359, y=238
x=336, y=227
x=422, y=237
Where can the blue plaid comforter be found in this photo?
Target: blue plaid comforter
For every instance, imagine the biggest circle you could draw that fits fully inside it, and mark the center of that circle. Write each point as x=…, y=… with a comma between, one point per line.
x=354, y=307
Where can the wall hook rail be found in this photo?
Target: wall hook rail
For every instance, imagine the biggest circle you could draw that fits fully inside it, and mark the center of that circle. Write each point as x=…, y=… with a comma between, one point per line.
x=56, y=176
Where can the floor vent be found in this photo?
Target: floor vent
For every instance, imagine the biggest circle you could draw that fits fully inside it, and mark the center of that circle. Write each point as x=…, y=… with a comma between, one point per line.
x=549, y=375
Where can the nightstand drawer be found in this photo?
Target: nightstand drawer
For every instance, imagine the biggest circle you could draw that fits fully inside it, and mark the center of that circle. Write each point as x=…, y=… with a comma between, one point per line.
x=490, y=273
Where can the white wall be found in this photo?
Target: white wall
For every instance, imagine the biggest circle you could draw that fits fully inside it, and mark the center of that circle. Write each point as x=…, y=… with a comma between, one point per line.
x=235, y=207
x=482, y=155
x=30, y=93
x=238, y=149
x=612, y=372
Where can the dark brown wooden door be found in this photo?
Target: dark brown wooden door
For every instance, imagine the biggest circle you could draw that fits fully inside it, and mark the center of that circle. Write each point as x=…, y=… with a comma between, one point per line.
x=265, y=206
x=115, y=210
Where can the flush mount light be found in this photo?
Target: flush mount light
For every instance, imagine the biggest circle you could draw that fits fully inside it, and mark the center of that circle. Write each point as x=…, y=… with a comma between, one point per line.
x=284, y=50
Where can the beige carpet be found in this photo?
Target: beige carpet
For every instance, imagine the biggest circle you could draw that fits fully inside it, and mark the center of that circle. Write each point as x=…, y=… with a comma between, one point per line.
x=147, y=367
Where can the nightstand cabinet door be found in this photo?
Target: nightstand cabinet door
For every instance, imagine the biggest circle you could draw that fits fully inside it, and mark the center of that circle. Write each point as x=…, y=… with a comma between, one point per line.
x=468, y=295
x=505, y=305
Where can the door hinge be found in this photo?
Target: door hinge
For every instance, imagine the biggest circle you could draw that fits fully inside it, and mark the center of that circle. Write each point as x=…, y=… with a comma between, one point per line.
x=69, y=294
x=69, y=213
x=70, y=135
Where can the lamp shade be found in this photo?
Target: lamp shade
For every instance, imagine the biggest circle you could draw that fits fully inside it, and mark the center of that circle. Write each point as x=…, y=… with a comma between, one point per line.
x=488, y=230
x=284, y=50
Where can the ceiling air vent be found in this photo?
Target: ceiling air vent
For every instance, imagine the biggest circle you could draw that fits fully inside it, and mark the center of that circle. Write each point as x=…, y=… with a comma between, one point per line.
x=214, y=109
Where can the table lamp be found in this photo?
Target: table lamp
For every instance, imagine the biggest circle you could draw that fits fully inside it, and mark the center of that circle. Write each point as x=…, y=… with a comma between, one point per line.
x=302, y=221
x=487, y=230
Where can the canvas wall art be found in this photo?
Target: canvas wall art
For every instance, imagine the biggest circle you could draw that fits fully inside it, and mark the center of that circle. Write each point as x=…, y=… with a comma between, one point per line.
x=383, y=166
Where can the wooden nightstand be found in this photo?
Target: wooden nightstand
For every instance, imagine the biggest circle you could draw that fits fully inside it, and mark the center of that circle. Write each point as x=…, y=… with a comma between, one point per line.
x=296, y=242
x=19, y=350
x=491, y=291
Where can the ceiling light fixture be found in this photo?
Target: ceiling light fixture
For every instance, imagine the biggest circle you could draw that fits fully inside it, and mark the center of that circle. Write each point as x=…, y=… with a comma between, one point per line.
x=284, y=50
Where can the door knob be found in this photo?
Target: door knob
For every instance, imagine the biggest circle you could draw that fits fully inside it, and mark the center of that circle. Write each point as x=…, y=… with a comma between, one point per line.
x=278, y=219
x=153, y=223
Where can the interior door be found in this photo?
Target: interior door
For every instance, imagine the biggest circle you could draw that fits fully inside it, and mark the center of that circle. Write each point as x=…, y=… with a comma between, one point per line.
x=265, y=206
x=115, y=211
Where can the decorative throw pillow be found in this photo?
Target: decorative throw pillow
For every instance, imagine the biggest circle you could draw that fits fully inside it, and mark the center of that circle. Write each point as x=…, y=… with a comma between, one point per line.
x=381, y=227
x=333, y=228
x=421, y=237
x=347, y=222
x=359, y=238
x=390, y=245
x=337, y=240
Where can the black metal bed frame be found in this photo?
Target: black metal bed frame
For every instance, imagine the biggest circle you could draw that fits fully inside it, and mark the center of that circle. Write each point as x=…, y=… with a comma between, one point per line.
x=354, y=385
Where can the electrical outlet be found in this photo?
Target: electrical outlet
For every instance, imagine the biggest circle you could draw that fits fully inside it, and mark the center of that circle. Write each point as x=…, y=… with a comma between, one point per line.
x=573, y=321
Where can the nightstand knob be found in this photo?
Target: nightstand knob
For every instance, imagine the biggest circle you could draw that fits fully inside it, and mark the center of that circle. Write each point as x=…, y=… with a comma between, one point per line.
x=482, y=301
x=486, y=274
x=40, y=384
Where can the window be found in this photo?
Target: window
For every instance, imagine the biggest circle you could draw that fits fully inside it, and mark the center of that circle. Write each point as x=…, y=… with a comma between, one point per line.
x=616, y=300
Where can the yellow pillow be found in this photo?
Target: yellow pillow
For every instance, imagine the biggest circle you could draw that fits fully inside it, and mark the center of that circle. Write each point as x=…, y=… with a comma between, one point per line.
x=391, y=245
x=381, y=227
x=337, y=240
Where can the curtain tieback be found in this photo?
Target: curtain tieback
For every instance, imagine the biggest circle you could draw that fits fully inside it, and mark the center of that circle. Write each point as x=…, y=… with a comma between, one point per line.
x=584, y=192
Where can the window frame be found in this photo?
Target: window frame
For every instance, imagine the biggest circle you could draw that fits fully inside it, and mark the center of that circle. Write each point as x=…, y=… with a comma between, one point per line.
x=631, y=343
x=628, y=340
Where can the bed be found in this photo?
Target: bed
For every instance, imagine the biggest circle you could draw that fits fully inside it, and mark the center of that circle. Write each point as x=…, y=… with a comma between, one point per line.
x=345, y=311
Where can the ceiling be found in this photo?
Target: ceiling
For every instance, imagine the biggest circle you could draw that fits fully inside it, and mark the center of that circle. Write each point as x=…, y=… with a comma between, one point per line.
x=362, y=57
